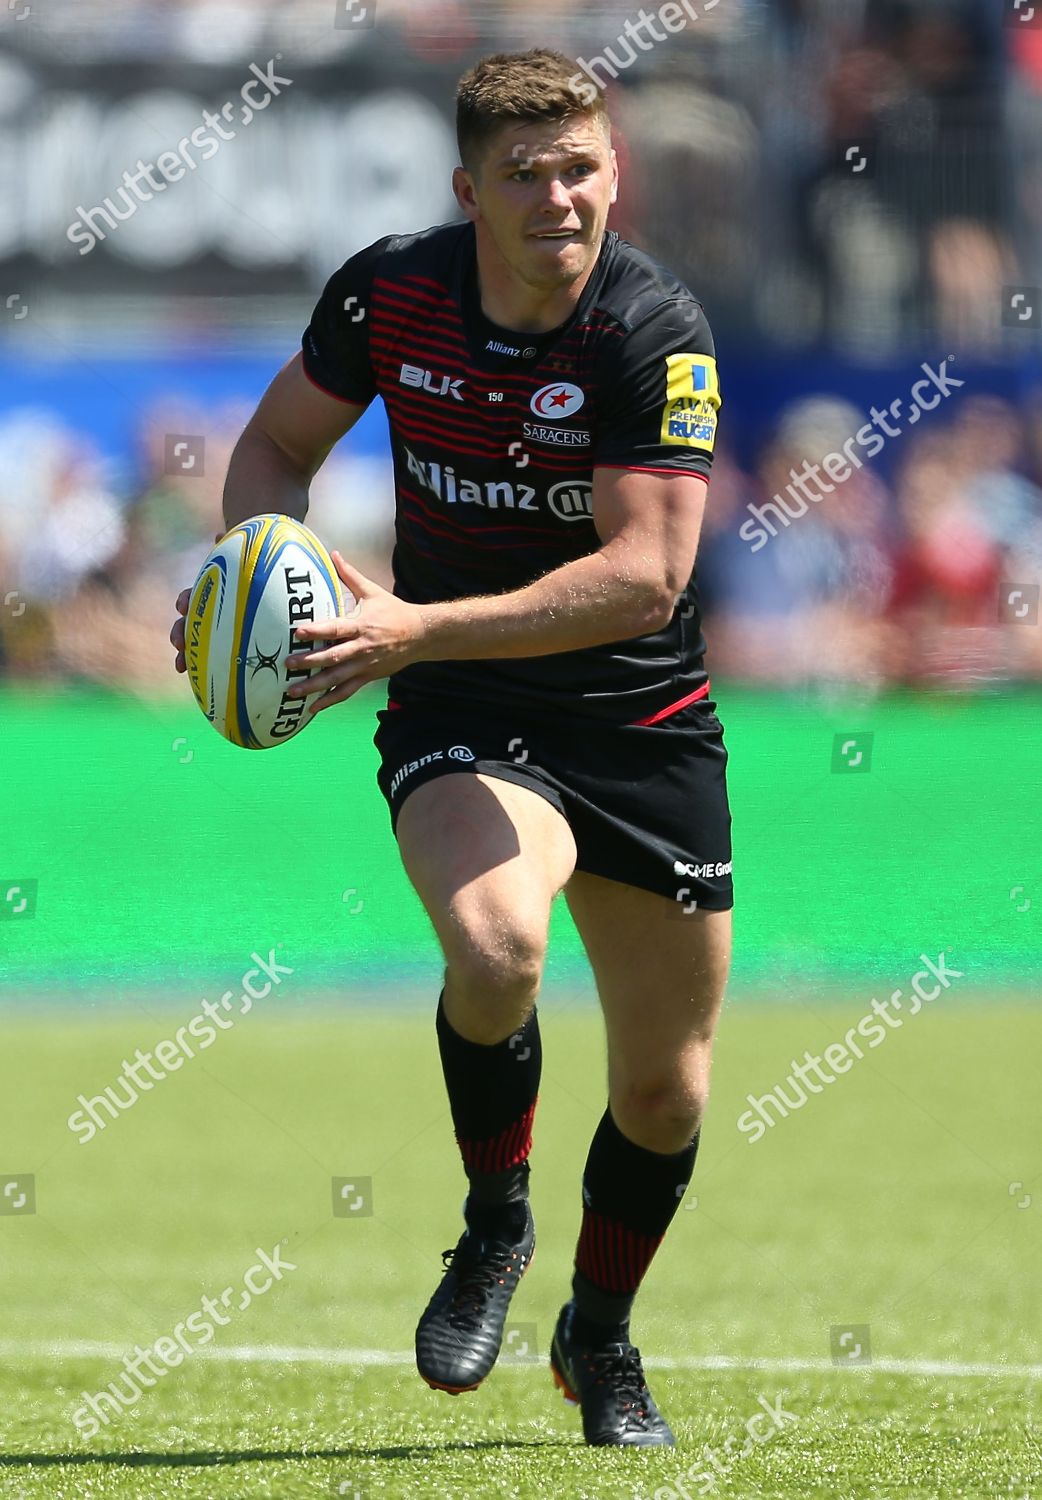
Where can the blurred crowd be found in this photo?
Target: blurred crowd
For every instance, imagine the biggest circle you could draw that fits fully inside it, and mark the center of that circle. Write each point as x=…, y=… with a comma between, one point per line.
x=862, y=177
x=863, y=172
x=93, y=556
x=926, y=578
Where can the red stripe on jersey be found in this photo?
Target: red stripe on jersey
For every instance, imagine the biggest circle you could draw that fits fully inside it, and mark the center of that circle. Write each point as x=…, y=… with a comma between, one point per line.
x=394, y=289
x=447, y=418
x=420, y=431
x=457, y=562
x=412, y=347
x=460, y=351
x=414, y=276
x=674, y=708
x=448, y=536
x=645, y=469
x=481, y=560
x=549, y=461
x=402, y=326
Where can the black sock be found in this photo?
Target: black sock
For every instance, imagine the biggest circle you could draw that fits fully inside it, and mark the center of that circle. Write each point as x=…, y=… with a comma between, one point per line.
x=492, y=1095
x=630, y=1195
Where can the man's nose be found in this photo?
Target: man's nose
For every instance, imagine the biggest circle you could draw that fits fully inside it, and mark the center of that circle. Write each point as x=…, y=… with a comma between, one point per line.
x=557, y=195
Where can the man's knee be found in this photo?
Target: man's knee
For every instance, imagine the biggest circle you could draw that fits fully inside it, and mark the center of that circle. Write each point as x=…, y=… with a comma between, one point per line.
x=494, y=958
x=661, y=1114
x=492, y=976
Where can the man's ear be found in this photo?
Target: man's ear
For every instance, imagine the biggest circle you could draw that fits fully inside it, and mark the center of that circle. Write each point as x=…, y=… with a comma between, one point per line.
x=614, y=176
x=463, y=188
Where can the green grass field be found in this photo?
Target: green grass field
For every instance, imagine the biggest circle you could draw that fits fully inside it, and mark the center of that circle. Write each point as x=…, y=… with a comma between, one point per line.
x=906, y=1197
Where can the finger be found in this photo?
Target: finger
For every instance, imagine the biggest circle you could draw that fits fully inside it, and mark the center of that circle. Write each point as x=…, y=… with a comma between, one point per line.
x=342, y=628
x=338, y=695
x=180, y=665
x=182, y=601
x=361, y=586
x=332, y=677
x=326, y=657
x=177, y=634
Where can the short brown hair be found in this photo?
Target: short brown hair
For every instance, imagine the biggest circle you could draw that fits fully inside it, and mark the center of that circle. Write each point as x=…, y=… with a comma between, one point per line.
x=515, y=87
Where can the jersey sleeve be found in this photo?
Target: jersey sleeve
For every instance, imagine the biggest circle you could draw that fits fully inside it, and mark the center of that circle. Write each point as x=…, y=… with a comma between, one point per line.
x=662, y=395
x=336, y=341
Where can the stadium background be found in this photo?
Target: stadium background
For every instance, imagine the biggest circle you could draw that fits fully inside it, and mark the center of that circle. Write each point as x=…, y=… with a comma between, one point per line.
x=884, y=610
x=854, y=188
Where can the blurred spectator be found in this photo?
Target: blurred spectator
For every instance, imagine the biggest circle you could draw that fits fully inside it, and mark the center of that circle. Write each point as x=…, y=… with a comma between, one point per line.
x=90, y=584
x=862, y=177
x=805, y=606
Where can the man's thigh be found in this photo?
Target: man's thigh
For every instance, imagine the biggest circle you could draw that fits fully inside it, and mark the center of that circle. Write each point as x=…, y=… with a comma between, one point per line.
x=486, y=857
x=661, y=971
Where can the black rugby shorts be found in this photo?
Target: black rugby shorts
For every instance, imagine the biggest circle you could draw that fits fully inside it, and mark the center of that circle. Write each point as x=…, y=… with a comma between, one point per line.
x=646, y=803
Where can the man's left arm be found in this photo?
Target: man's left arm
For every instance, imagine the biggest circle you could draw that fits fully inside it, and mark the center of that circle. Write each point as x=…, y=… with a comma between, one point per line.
x=648, y=525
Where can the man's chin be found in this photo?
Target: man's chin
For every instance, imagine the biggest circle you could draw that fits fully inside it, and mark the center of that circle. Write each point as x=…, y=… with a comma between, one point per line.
x=558, y=262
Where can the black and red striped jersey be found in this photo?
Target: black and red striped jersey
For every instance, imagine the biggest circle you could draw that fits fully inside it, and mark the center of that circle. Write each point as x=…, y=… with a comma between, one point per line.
x=495, y=436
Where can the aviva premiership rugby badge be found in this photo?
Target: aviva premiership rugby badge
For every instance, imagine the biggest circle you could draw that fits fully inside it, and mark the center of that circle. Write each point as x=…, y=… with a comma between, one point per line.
x=692, y=401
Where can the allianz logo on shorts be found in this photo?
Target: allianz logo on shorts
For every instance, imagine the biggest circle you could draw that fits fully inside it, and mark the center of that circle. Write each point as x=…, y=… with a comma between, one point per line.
x=456, y=752
x=701, y=872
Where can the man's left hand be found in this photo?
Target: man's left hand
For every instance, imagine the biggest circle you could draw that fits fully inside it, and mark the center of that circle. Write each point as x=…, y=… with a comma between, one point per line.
x=381, y=635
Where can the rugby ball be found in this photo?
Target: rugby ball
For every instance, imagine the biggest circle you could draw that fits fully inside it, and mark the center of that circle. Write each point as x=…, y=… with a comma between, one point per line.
x=265, y=576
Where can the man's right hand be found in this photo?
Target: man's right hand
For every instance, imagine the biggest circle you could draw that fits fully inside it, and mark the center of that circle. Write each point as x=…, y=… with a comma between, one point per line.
x=177, y=633
x=177, y=630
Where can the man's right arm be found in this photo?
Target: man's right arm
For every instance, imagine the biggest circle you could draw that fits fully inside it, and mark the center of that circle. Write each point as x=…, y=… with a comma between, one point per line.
x=284, y=444
x=305, y=411
x=282, y=448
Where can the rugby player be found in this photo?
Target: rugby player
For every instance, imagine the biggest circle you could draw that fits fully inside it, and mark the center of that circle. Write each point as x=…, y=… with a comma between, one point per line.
x=552, y=401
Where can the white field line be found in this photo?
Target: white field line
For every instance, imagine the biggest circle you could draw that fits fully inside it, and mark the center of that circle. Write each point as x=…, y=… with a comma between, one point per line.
x=278, y=1354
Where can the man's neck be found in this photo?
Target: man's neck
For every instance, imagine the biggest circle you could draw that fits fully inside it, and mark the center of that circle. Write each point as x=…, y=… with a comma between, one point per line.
x=518, y=308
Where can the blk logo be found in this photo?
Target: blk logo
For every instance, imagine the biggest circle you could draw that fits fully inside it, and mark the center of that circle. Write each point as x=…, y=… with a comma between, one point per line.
x=435, y=385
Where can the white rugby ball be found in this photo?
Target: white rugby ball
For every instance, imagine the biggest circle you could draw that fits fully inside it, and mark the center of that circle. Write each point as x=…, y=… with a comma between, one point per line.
x=265, y=577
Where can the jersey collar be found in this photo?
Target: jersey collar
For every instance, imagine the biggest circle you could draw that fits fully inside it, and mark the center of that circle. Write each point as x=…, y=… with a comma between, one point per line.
x=481, y=332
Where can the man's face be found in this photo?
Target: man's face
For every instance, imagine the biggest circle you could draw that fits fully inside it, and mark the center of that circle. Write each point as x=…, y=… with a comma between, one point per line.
x=541, y=193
